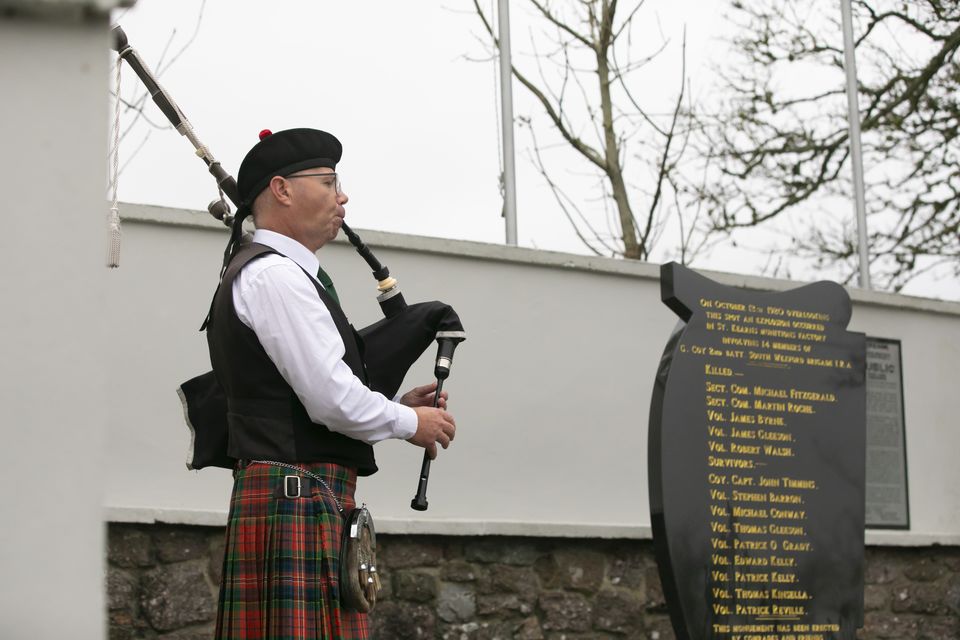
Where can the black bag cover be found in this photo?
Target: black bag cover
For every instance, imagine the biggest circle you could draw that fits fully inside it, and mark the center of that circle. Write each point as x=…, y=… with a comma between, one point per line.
x=392, y=345
x=205, y=410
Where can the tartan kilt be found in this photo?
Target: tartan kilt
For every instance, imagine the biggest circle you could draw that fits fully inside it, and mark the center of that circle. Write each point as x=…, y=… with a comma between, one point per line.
x=281, y=565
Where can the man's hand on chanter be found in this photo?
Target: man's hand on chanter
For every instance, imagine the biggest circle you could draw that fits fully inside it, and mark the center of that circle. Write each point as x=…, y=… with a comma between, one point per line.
x=434, y=426
x=423, y=396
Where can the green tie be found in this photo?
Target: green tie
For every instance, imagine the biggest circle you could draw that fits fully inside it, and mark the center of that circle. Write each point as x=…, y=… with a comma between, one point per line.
x=327, y=284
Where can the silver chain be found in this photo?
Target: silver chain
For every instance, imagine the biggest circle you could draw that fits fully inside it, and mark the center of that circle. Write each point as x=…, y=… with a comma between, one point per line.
x=307, y=473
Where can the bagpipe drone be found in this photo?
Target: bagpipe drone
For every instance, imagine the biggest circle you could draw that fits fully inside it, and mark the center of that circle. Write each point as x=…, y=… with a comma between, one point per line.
x=392, y=344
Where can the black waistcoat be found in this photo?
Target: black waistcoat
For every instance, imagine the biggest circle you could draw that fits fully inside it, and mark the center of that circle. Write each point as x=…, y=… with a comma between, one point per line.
x=265, y=419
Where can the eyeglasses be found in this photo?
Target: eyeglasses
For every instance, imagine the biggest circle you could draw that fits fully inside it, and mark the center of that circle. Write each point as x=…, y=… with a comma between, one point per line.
x=335, y=183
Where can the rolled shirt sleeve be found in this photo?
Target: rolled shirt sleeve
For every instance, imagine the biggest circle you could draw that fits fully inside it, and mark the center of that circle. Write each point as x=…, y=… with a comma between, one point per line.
x=276, y=299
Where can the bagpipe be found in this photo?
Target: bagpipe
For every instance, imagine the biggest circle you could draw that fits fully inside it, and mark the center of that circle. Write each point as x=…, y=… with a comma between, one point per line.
x=392, y=345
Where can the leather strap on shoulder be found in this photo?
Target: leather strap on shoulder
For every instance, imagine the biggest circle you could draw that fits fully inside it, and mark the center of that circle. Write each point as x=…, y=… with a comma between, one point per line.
x=240, y=259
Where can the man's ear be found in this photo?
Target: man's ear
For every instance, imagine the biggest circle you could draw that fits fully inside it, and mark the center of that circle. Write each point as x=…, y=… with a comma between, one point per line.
x=280, y=188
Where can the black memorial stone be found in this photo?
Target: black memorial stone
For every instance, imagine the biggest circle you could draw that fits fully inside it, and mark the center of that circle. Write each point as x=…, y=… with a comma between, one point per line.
x=757, y=462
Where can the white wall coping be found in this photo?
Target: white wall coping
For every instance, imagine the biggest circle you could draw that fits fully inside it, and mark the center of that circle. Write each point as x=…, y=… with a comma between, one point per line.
x=63, y=9
x=398, y=526
x=520, y=255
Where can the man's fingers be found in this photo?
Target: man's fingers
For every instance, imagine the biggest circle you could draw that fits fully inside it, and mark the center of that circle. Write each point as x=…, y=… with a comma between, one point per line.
x=434, y=427
x=425, y=389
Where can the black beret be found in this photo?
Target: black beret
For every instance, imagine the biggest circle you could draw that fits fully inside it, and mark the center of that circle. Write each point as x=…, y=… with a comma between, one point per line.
x=283, y=153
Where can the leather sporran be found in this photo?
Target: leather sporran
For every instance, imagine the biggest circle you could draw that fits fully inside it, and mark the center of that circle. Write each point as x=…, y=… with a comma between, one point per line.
x=359, y=577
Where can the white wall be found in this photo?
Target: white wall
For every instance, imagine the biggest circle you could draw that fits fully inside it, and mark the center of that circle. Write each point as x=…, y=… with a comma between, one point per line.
x=551, y=390
x=54, y=70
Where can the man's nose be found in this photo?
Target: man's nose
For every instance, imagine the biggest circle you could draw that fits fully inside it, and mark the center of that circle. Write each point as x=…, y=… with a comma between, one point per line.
x=342, y=198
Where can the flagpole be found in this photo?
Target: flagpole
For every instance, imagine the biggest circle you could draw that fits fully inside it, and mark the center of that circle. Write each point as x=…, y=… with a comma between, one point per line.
x=506, y=110
x=856, y=151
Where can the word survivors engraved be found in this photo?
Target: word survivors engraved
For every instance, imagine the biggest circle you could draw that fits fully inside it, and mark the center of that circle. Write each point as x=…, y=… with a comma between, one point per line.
x=757, y=448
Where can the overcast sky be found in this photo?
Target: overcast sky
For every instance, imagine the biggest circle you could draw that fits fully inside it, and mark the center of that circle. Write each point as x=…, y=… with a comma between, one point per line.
x=399, y=84
x=393, y=80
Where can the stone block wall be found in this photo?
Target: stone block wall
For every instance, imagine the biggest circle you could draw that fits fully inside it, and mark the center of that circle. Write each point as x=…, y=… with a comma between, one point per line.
x=162, y=583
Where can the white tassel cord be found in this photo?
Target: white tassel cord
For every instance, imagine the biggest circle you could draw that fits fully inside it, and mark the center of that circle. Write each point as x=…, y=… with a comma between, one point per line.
x=113, y=223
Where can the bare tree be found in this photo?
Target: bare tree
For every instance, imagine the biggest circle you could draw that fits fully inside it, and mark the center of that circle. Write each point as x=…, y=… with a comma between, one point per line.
x=779, y=142
x=585, y=82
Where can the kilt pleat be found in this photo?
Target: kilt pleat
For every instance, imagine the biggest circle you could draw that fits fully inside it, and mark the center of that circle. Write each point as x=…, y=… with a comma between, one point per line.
x=280, y=568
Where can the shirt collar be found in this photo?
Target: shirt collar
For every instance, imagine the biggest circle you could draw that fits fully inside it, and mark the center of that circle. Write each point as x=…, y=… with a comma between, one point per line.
x=290, y=248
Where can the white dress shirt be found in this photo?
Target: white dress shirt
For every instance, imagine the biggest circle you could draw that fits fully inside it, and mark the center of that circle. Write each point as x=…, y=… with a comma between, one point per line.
x=278, y=301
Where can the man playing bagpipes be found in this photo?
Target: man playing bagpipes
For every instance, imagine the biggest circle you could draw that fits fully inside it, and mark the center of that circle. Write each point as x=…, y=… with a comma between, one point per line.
x=301, y=419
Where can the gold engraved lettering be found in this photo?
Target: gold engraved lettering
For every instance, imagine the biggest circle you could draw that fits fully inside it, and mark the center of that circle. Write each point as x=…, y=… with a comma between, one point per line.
x=779, y=333
x=812, y=396
x=767, y=405
x=788, y=514
x=785, y=359
x=808, y=315
x=746, y=449
x=751, y=577
x=739, y=328
x=785, y=498
x=787, y=530
x=729, y=306
x=712, y=370
x=783, y=452
x=729, y=463
x=748, y=496
x=752, y=610
x=769, y=393
x=750, y=545
x=773, y=322
x=785, y=346
x=793, y=483
x=796, y=546
x=749, y=529
x=783, y=610
x=775, y=436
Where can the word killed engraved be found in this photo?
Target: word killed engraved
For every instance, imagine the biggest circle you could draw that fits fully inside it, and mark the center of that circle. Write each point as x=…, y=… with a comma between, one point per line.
x=757, y=448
